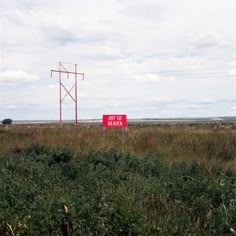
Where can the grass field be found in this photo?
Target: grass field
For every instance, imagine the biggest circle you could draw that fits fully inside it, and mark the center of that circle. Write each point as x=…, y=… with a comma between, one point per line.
x=156, y=179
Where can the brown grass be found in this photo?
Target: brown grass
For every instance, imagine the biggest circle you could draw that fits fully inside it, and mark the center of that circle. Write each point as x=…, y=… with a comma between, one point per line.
x=209, y=143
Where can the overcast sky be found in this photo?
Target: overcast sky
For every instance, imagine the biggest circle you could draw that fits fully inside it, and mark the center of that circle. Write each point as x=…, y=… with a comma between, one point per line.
x=143, y=58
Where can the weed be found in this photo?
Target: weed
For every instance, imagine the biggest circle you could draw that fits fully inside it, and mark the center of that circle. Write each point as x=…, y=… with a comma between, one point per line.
x=102, y=186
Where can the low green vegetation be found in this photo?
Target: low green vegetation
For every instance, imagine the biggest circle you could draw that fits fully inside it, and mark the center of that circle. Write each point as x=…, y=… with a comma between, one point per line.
x=77, y=181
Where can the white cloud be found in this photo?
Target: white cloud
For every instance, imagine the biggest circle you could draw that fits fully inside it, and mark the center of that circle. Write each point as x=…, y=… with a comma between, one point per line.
x=207, y=40
x=11, y=76
x=132, y=54
x=53, y=86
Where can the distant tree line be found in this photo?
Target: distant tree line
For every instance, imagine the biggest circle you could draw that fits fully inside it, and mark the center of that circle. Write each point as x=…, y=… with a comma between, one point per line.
x=7, y=121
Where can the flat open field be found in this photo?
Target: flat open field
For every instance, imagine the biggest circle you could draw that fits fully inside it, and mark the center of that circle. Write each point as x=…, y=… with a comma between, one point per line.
x=156, y=179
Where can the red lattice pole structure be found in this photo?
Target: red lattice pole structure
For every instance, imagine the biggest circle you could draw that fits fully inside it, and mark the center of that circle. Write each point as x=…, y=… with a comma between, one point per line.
x=74, y=97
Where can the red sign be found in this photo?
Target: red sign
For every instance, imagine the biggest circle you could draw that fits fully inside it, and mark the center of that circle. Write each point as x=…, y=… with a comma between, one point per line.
x=114, y=121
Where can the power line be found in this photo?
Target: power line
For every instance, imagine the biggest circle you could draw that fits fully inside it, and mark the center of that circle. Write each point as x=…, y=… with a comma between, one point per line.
x=167, y=71
x=178, y=74
x=180, y=77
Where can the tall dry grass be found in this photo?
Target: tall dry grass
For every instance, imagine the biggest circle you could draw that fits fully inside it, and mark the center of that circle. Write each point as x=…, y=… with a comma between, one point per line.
x=157, y=179
x=210, y=143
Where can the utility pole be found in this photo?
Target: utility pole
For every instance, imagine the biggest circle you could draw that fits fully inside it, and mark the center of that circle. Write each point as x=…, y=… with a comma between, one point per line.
x=62, y=70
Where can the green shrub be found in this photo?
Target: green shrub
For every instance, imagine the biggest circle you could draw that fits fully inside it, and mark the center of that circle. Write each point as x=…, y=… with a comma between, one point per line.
x=52, y=155
x=51, y=191
x=60, y=155
x=35, y=149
